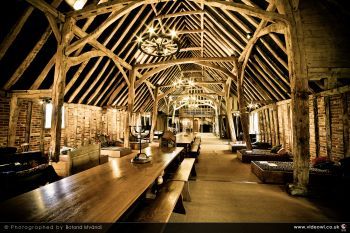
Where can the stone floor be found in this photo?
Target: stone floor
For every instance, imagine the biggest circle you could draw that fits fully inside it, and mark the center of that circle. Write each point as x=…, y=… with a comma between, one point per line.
x=225, y=190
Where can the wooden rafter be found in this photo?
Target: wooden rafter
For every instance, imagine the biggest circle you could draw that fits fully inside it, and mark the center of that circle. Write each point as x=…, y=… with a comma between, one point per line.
x=186, y=60
x=182, y=13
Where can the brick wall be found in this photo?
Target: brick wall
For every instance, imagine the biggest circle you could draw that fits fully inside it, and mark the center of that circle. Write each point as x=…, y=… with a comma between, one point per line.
x=82, y=123
x=335, y=119
x=4, y=119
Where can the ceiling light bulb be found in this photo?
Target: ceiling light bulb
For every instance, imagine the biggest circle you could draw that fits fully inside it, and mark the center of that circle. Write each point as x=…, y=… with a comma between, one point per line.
x=151, y=30
x=139, y=39
x=172, y=33
x=249, y=35
x=76, y=4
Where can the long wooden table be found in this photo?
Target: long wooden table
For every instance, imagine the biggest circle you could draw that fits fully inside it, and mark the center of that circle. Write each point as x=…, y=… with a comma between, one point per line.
x=100, y=194
x=185, y=140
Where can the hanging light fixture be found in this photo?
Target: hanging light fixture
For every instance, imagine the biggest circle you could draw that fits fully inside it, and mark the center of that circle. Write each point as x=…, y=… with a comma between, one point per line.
x=252, y=106
x=76, y=4
x=158, y=42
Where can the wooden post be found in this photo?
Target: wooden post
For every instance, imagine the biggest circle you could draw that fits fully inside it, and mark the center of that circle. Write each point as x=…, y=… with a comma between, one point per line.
x=14, y=110
x=317, y=134
x=42, y=128
x=345, y=125
x=28, y=121
x=59, y=87
x=217, y=127
x=262, y=126
x=283, y=127
x=277, y=130
x=328, y=126
x=230, y=118
x=271, y=126
x=242, y=107
x=131, y=99
x=173, y=116
x=154, y=113
x=299, y=99
x=229, y=101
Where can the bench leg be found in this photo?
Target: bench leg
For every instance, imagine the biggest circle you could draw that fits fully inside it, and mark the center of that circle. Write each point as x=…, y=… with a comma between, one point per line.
x=186, y=192
x=193, y=171
x=179, y=207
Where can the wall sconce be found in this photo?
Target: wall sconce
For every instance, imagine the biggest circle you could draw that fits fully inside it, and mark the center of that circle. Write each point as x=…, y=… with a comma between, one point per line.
x=76, y=4
x=236, y=113
x=44, y=101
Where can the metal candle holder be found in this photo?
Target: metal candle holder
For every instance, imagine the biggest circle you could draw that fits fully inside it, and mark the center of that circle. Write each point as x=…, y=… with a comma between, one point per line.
x=138, y=132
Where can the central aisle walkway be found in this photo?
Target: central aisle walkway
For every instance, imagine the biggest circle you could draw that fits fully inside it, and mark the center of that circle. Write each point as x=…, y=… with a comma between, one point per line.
x=226, y=191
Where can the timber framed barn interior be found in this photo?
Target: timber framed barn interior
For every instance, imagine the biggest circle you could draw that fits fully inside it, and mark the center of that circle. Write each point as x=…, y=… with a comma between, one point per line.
x=174, y=111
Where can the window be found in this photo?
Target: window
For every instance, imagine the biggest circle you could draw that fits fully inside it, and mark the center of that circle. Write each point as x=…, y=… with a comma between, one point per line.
x=48, y=115
x=253, y=123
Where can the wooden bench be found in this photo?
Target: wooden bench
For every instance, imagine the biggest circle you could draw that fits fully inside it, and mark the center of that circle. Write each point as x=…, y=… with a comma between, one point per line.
x=237, y=146
x=170, y=197
x=183, y=173
x=160, y=209
x=195, y=150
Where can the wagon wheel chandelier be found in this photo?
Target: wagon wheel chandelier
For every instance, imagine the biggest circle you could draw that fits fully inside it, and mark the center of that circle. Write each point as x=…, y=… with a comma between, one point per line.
x=159, y=43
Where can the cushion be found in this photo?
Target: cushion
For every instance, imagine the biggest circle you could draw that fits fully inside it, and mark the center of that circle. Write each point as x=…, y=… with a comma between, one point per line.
x=322, y=163
x=282, y=152
x=319, y=160
x=261, y=145
x=275, y=149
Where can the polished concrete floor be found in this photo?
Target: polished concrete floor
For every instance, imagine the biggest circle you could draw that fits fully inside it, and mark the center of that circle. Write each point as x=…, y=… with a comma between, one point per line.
x=225, y=190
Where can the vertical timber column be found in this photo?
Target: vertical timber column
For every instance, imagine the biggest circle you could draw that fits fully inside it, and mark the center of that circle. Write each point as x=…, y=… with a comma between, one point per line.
x=229, y=114
x=14, y=110
x=345, y=125
x=154, y=114
x=241, y=105
x=131, y=99
x=173, y=116
x=277, y=130
x=217, y=127
x=299, y=99
x=59, y=87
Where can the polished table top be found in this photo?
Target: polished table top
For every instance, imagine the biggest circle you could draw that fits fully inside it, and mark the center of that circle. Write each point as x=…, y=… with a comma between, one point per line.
x=183, y=138
x=100, y=194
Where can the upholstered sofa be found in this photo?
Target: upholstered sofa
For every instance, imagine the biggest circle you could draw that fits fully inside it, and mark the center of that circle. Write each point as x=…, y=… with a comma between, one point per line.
x=255, y=145
x=22, y=172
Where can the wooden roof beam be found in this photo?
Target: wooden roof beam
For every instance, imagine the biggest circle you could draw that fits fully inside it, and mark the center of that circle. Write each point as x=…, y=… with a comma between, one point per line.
x=98, y=89
x=182, y=13
x=103, y=8
x=190, y=31
x=28, y=60
x=248, y=48
x=191, y=71
x=186, y=60
x=198, y=82
x=245, y=9
x=219, y=68
x=79, y=32
x=32, y=94
x=47, y=8
x=11, y=36
x=198, y=94
x=110, y=20
x=190, y=49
